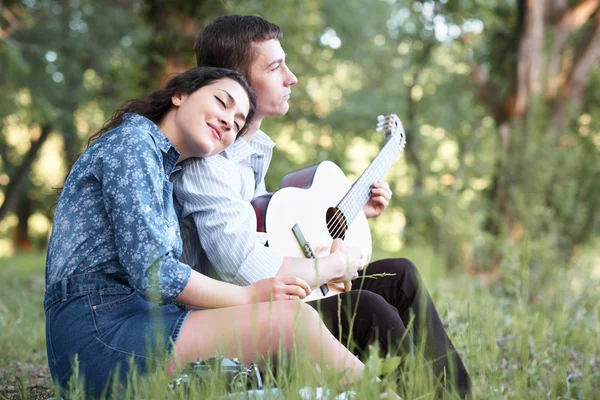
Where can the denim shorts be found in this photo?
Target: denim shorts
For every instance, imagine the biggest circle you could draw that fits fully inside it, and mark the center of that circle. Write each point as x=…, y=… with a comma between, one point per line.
x=109, y=327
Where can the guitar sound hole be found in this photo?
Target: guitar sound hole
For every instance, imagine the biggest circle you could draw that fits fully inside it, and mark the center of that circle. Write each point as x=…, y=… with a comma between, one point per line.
x=336, y=223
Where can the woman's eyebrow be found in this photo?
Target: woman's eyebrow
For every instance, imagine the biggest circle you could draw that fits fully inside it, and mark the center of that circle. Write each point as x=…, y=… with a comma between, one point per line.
x=232, y=100
x=228, y=95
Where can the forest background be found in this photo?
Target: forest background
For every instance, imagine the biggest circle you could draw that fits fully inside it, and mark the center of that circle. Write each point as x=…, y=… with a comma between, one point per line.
x=500, y=100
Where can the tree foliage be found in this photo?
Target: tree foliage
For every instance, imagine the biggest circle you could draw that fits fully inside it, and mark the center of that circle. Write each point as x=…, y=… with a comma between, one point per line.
x=497, y=98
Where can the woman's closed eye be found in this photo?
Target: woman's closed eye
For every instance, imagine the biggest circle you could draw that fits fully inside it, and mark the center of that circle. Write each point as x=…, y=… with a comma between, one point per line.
x=224, y=105
x=222, y=102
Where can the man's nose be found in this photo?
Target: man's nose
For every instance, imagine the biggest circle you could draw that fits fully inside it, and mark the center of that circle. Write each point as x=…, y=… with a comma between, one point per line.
x=291, y=78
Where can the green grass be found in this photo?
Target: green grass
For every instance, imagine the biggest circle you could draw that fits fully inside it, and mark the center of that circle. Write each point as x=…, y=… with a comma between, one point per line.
x=22, y=334
x=535, y=334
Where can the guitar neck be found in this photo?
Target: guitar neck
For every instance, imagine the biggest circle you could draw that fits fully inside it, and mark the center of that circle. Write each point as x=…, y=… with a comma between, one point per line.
x=360, y=192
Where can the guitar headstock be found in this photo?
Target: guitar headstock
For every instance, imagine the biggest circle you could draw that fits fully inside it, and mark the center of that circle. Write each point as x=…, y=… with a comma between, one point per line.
x=393, y=128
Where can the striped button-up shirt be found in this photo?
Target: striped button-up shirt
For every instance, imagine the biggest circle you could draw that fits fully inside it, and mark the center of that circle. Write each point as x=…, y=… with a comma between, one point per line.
x=218, y=223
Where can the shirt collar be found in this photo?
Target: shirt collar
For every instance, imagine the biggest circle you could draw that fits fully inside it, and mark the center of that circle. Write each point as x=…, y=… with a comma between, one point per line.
x=262, y=139
x=162, y=142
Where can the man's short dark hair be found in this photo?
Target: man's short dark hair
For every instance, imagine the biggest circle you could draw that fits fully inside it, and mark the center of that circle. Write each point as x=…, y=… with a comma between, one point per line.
x=227, y=41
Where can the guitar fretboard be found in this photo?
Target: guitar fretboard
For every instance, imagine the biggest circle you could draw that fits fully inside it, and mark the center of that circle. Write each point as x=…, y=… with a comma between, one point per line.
x=358, y=195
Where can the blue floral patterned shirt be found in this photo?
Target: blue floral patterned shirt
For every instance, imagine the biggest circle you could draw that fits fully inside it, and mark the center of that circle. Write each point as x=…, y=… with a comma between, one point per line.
x=115, y=214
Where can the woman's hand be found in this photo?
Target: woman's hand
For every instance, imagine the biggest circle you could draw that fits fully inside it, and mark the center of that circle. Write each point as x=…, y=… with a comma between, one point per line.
x=351, y=260
x=278, y=288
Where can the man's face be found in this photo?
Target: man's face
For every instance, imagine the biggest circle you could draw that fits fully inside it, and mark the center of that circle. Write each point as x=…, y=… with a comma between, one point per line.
x=271, y=78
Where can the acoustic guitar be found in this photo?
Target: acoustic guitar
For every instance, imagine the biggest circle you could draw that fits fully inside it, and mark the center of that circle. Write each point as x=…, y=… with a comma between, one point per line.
x=317, y=204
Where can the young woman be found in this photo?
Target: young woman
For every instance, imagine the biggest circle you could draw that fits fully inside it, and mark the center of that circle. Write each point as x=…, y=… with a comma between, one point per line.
x=114, y=285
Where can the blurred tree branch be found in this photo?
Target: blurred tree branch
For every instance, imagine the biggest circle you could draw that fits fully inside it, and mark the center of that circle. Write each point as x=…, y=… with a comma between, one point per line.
x=13, y=191
x=11, y=20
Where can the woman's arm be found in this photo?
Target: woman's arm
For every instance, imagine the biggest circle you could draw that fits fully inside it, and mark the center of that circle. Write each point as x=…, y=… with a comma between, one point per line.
x=140, y=210
x=202, y=291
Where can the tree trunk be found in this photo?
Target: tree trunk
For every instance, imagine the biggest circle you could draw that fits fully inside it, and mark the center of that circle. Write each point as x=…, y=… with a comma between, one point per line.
x=525, y=82
x=13, y=191
x=172, y=27
x=21, y=238
x=576, y=77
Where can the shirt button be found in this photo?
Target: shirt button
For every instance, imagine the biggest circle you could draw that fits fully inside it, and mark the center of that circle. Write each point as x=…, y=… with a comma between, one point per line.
x=167, y=176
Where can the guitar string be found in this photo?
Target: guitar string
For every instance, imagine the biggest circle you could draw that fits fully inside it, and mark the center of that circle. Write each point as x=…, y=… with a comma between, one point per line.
x=354, y=203
x=376, y=163
x=379, y=167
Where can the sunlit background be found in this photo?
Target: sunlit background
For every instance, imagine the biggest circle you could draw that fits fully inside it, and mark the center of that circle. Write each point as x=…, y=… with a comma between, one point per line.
x=501, y=112
x=496, y=197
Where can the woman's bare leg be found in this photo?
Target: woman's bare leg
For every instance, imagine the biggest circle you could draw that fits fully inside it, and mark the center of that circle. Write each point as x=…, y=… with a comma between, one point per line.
x=253, y=331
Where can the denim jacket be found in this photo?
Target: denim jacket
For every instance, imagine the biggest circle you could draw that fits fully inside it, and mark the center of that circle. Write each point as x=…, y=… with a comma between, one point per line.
x=115, y=214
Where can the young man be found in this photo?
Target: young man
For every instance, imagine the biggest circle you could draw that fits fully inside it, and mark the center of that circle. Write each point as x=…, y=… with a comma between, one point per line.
x=218, y=223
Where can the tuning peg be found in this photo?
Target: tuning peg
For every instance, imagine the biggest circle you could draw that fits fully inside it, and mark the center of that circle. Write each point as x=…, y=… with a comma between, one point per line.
x=380, y=118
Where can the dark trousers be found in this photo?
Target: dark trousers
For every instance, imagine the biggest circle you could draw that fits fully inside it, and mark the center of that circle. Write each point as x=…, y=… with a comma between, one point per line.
x=380, y=311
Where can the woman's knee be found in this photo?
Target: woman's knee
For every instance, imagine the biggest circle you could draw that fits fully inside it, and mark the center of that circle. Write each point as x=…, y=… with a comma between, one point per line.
x=308, y=314
x=295, y=321
x=289, y=313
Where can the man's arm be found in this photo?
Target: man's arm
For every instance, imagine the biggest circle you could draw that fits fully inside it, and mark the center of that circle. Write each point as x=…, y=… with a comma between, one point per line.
x=342, y=264
x=209, y=192
x=213, y=210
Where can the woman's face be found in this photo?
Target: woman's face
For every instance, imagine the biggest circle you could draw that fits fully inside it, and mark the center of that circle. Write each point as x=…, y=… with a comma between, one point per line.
x=208, y=120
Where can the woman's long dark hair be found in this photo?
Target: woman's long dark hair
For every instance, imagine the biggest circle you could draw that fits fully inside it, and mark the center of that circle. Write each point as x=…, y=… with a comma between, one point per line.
x=159, y=102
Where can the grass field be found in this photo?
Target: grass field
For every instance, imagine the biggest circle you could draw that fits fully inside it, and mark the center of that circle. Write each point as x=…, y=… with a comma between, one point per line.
x=534, y=334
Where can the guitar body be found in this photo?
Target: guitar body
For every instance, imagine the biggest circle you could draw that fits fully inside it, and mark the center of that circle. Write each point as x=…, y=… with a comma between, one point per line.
x=321, y=202
x=308, y=198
